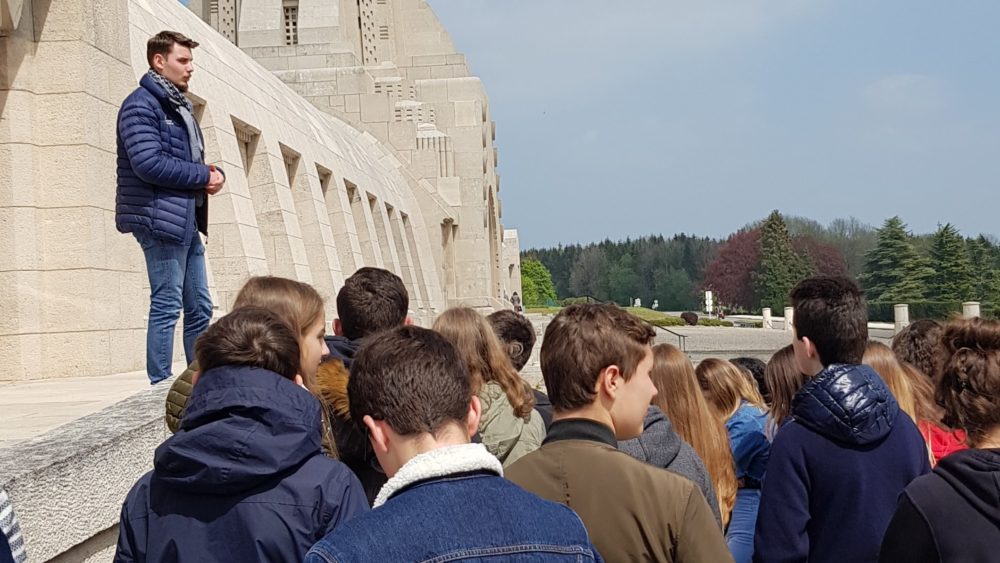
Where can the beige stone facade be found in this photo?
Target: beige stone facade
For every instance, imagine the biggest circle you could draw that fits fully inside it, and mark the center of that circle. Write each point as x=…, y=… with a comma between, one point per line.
x=345, y=145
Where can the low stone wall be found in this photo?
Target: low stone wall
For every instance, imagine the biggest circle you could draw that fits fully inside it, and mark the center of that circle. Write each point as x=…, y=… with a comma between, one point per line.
x=67, y=486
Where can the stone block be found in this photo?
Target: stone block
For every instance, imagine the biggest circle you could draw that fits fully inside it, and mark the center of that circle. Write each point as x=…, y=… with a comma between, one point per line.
x=375, y=108
x=73, y=237
x=447, y=71
x=19, y=239
x=432, y=90
x=273, y=63
x=470, y=88
x=429, y=60
x=16, y=175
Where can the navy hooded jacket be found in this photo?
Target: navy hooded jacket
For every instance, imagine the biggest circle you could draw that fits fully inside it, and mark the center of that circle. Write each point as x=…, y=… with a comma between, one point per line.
x=158, y=183
x=836, y=470
x=243, y=479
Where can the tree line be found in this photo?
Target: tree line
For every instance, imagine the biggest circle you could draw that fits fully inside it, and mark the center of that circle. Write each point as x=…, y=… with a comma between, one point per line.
x=757, y=266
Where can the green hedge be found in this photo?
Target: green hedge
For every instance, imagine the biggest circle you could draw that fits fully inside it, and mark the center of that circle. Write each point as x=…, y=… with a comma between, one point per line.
x=666, y=322
x=939, y=310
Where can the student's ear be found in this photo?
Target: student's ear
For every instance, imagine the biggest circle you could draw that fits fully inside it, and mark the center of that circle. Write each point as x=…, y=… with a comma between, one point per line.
x=408, y=321
x=195, y=377
x=472, y=419
x=338, y=328
x=608, y=381
x=299, y=381
x=377, y=434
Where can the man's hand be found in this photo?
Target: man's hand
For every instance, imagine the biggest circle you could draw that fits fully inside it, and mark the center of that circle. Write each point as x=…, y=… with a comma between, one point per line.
x=215, y=181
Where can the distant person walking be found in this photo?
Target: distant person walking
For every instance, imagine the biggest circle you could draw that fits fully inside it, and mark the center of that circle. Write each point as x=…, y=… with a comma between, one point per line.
x=515, y=300
x=162, y=188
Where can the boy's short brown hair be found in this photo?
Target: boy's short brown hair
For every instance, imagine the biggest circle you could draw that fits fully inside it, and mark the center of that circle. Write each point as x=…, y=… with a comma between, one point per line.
x=249, y=336
x=516, y=334
x=163, y=42
x=584, y=339
x=411, y=378
x=831, y=312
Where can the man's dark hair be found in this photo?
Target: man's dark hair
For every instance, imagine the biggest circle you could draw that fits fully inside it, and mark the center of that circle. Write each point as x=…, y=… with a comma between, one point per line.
x=831, y=312
x=755, y=367
x=163, y=42
x=584, y=339
x=411, y=378
x=249, y=336
x=372, y=300
x=516, y=334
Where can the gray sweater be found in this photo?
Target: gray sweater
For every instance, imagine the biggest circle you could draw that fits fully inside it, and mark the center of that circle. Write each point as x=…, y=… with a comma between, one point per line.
x=659, y=445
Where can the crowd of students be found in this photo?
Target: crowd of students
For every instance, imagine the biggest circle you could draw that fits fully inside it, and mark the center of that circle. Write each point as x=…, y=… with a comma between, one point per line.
x=390, y=442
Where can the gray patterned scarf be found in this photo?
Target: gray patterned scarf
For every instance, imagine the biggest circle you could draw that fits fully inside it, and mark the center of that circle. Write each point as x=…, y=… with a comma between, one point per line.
x=185, y=109
x=10, y=528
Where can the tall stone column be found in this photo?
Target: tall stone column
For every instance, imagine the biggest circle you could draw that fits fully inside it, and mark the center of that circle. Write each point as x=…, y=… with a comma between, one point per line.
x=789, y=318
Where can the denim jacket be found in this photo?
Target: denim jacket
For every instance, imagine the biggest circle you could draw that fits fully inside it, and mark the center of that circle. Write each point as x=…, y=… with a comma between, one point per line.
x=748, y=440
x=451, y=504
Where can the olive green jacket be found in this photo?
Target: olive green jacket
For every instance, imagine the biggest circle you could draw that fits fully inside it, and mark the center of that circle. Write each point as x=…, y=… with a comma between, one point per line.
x=178, y=396
x=505, y=435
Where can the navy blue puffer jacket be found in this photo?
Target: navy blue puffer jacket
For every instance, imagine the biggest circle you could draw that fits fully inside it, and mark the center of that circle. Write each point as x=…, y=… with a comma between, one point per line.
x=836, y=470
x=158, y=182
x=243, y=480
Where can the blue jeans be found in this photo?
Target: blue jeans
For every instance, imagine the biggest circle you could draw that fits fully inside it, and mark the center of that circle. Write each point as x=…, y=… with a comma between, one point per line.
x=739, y=536
x=177, y=279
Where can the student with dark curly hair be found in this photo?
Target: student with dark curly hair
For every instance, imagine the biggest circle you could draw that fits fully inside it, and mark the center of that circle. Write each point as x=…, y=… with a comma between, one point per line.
x=953, y=514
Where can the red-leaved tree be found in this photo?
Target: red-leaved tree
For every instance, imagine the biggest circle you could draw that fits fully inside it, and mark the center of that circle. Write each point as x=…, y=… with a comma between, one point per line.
x=728, y=274
x=826, y=259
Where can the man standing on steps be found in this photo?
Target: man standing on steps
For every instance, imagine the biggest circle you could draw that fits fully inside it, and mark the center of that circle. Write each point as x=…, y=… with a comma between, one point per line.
x=163, y=184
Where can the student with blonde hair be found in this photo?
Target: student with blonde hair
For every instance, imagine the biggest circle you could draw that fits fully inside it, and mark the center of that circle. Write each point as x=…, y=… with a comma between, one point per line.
x=679, y=397
x=737, y=403
x=510, y=426
x=784, y=379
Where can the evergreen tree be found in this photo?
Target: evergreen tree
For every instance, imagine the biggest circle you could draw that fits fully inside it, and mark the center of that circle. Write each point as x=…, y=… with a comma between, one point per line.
x=536, y=284
x=953, y=278
x=894, y=271
x=623, y=281
x=780, y=267
x=985, y=275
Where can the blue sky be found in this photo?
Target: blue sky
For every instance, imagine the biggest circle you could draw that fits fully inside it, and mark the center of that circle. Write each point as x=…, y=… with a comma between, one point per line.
x=620, y=119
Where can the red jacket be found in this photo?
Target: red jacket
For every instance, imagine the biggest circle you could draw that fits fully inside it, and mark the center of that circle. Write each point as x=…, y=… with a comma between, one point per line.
x=942, y=440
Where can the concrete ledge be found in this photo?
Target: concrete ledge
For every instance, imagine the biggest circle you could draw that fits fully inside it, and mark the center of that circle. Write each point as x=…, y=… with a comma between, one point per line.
x=67, y=486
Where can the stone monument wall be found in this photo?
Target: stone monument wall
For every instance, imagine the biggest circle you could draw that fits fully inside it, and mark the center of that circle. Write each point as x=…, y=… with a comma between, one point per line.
x=396, y=170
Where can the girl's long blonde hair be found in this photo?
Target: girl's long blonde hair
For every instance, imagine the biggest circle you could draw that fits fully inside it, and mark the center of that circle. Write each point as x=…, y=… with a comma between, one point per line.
x=726, y=387
x=680, y=398
x=881, y=358
x=784, y=379
x=476, y=343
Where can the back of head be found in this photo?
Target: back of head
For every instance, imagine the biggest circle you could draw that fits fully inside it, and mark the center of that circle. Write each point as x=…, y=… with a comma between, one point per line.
x=884, y=362
x=411, y=378
x=969, y=389
x=297, y=304
x=725, y=386
x=372, y=300
x=831, y=312
x=680, y=398
x=249, y=336
x=754, y=367
x=920, y=344
x=784, y=379
x=584, y=339
x=479, y=348
x=515, y=333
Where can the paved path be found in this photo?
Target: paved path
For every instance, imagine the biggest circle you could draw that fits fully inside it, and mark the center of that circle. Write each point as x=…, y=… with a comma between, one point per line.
x=31, y=408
